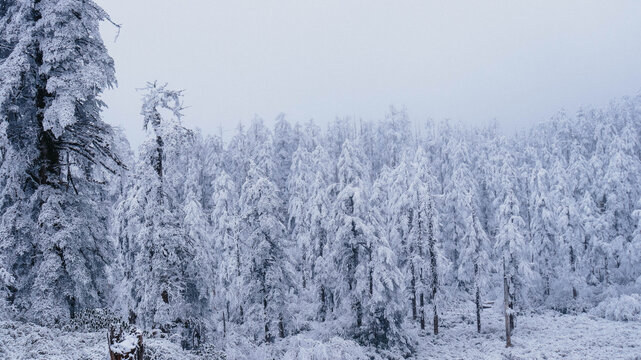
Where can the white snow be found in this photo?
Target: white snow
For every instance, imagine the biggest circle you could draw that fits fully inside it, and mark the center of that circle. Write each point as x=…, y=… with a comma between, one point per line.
x=22, y=341
x=549, y=335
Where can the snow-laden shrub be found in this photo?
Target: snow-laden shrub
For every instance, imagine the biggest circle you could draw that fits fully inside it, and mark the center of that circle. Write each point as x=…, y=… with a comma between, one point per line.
x=305, y=346
x=163, y=349
x=335, y=348
x=92, y=320
x=210, y=351
x=562, y=297
x=622, y=308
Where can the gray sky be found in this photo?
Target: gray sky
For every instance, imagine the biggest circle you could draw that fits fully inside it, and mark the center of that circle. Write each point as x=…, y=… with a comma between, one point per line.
x=518, y=62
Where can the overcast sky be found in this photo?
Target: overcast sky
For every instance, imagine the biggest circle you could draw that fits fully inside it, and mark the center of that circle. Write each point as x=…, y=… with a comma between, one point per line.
x=518, y=62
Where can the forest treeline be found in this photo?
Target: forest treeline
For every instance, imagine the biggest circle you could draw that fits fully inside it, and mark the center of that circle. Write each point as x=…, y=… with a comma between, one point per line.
x=371, y=227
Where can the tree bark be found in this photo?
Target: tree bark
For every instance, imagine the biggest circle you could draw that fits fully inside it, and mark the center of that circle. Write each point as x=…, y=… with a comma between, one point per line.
x=435, y=319
x=413, y=295
x=267, y=337
x=281, y=327
x=115, y=336
x=422, y=299
x=478, y=310
x=506, y=300
x=224, y=325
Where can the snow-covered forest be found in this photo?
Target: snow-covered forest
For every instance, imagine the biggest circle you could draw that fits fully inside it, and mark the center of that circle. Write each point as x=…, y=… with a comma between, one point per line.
x=374, y=237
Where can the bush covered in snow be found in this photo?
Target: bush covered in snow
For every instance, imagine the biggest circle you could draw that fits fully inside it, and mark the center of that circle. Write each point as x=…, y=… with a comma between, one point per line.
x=622, y=308
x=335, y=348
x=92, y=320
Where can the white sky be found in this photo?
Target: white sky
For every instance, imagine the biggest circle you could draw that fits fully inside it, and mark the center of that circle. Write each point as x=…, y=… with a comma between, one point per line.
x=518, y=62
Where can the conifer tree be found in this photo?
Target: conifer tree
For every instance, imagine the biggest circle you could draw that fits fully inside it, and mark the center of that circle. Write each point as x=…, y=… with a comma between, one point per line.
x=57, y=153
x=269, y=276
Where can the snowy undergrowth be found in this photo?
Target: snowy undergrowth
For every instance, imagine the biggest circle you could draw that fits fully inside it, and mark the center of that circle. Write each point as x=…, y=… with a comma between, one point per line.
x=622, y=308
x=547, y=335
x=21, y=341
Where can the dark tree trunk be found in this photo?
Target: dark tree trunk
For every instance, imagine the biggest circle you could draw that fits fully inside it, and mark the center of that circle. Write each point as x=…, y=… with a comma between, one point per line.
x=506, y=301
x=323, y=308
x=224, y=325
x=573, y=268
x=478, y=310
x=359, y=313
x=512, y=315
x=413, y=294
x=422, y=299
x=304, y=279
x=48, y=161
x=267, y=337
x=435, y=319
x=433, y=266
x=227, y=309
x=157, y=164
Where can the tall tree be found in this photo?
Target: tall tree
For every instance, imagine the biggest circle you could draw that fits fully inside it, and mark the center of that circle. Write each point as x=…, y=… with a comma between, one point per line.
x=156, y=250
x=269, y=278
x=55, y=149
x=543, y=230
x=226, y=223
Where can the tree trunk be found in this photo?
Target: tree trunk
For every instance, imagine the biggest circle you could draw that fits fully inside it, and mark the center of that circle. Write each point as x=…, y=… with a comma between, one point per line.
x=359, y=313
x=512, y=314
x=508, y=339
x=48, y=159
x=478, y=310
x=224, y=326
x=435, y=319
x=413, y=295
x=281, y=327
x=267, y=337
x=227, y=309
x=157, y=165
x=323, y=302
x=573, y=268
x=115, y=336
x=422, y=299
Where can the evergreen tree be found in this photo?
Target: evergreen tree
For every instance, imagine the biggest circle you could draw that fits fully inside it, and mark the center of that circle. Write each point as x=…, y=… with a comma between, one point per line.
x=475, y=261
x=510, y=244
x=226, y=222
x=269, y=278
x=56, y=155
x=543, y=228
x=158, y=290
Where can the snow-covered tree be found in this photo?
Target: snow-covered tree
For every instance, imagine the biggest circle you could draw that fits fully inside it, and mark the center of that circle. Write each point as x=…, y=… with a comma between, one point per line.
x=56, y=154
x=510, y=244
x=269, y=277
x=543, y=230
x=421, y=268
x=158, y=289
x=226, y=222
x=353, y=234
x=475, y=262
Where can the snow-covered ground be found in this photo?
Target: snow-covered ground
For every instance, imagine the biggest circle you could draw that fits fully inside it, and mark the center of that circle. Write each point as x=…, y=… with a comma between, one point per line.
x=20, y=341
x=548, y=335
x=545, y=335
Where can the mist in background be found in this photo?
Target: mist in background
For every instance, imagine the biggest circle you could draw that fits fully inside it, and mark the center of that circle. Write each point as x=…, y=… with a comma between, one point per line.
x=471, y=61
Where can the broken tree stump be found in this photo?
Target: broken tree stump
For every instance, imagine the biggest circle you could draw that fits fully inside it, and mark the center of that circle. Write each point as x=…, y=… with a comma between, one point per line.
x=124, y=344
